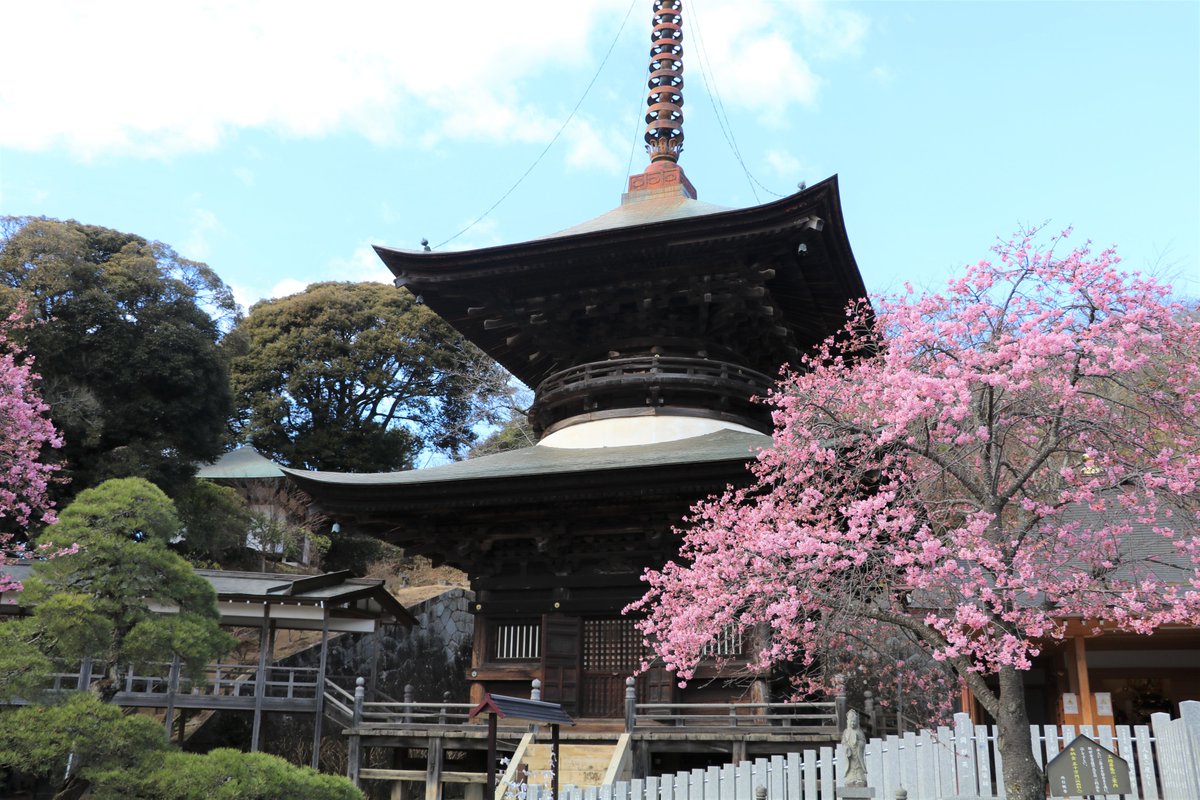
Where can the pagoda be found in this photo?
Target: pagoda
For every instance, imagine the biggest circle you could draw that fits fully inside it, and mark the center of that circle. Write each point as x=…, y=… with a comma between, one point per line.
x=647, y=334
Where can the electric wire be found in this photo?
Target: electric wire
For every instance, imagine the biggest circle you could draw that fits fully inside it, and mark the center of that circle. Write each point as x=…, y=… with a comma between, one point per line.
x=638, y=126
x=557, y=133
x=714, y=99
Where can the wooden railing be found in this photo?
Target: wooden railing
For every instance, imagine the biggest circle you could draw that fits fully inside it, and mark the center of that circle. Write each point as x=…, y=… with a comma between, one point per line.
x=817, y=718
x=387, y=712
x=221, y=685
x=732, y=377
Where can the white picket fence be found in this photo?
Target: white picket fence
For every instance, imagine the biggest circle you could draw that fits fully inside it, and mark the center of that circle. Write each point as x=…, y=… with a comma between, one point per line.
x=960, y=762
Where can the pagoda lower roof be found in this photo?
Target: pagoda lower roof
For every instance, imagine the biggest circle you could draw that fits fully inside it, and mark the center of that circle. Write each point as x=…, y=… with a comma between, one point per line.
x=542, y=460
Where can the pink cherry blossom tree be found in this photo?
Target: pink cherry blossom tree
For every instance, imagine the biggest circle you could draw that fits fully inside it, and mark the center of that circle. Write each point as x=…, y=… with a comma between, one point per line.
x=25, y=430
x=963, y=472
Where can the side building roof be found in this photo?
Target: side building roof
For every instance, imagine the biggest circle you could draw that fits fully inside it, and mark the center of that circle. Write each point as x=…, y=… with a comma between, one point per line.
x=244, y=463
x=242, y=596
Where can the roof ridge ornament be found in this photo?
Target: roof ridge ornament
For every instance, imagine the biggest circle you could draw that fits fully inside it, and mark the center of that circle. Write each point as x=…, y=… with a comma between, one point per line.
x=664, y=116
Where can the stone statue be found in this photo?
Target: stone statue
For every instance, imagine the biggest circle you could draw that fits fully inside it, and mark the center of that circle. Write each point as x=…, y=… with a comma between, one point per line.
x=854, y=745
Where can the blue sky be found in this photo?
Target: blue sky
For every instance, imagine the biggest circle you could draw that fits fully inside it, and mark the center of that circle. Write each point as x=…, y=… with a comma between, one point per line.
x=278, y=141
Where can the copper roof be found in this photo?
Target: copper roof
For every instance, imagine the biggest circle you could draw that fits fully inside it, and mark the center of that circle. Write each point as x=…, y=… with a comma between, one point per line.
x=244, y=463
x=645, y=207
x=726, y=445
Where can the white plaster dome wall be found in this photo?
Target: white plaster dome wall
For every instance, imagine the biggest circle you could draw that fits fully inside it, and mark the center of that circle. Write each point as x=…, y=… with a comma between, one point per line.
x=634, y=430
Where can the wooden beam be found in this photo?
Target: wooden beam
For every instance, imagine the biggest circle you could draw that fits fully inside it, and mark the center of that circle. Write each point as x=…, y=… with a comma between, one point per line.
x=433, y=770
x=1087, y=706
x=319, y=712
x=260, y=677
x=491, y=753
x=172, y=690
x=376, y=647
x=419, y=775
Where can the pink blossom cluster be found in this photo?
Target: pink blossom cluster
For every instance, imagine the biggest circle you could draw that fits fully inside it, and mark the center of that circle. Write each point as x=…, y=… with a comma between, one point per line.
x=25, y=432
x=964, y=471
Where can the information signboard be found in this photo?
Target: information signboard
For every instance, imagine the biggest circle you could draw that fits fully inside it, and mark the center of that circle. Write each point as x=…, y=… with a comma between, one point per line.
x=1085, y=768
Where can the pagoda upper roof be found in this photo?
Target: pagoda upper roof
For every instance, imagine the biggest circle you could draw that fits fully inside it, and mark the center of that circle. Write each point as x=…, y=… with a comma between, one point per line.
x=647, y=209
x=777, y=278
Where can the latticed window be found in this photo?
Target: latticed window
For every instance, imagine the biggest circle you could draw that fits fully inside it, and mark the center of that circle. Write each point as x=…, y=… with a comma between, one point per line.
x=517, y=641
x=612, y=645
x=727, y=643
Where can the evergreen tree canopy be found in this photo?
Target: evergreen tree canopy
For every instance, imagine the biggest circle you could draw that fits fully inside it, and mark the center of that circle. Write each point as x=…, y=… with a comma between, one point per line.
x=216, y=520
x=357, y=377
x=102, y=600
x=127, y=348
x=83, y=741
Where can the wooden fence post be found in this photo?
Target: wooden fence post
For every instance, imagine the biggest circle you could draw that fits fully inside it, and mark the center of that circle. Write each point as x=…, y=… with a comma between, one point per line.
x=354, y=746
x=630, y=704
x=260, y=677
x=172, y=690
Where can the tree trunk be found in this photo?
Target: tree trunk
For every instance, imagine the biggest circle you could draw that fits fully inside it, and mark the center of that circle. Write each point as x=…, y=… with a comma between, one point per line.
x=1023, y=779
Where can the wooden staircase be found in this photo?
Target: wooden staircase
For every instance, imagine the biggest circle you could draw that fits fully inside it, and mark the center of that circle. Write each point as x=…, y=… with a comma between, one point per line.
x=581, y=764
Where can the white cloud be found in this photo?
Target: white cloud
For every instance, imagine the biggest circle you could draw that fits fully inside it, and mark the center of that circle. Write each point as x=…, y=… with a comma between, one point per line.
x=589, y=147
x=245, y=175
x=743, y=45
x=155, y=78
x=247, y=296
x=831, y=30
x=784, y=165
x=152, y=79
x=360, y=266
x=286, y=287
x=484, y=233
x=203, y=223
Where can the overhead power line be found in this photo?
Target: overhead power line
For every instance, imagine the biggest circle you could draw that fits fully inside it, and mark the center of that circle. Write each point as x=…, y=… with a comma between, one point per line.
x=553, y=139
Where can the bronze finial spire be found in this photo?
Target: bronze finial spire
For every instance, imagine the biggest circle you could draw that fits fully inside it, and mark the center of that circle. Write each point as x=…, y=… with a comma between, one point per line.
x=663, y=178
x=664, y=119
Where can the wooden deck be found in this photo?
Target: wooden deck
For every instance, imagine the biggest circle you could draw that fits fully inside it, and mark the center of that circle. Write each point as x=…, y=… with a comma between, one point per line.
x=730, y=731
x=232, y=687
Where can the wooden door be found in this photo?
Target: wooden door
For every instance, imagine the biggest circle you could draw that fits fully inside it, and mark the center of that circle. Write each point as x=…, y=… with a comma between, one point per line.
x=656, y=685
x=560, y=661
x=612, y=652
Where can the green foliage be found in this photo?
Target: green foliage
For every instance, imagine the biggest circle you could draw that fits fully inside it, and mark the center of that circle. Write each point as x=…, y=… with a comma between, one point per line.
x=126, y=508
x=215, y=520
x=514, y=434
x=232, y=775
x=23, y=667
x=290, y=539
x=98, y=739
x=357, y=552
x=127, y=349
x=102, y=600
x=128, y=756
x=357, y=377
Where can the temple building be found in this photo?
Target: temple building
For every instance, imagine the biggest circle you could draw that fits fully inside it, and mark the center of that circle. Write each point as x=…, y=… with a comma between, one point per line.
x=646, y=333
